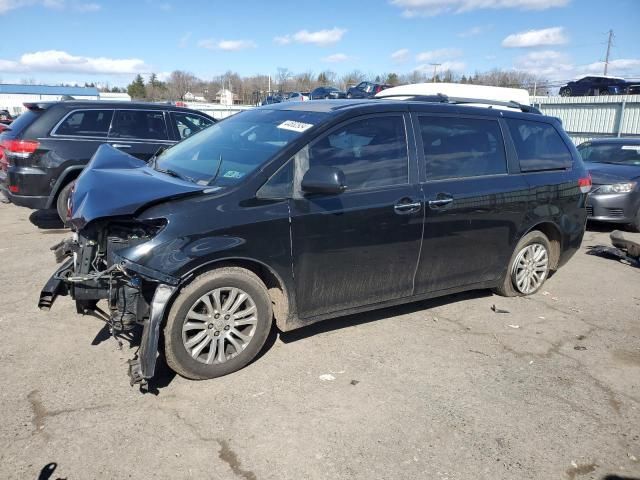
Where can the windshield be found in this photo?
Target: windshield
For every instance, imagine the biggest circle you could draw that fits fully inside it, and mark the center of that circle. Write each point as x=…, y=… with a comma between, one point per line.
x=228, y=151
x=619, y=154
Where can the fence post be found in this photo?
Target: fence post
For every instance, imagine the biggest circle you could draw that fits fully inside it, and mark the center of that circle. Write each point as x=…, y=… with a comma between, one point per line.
x=621, y=119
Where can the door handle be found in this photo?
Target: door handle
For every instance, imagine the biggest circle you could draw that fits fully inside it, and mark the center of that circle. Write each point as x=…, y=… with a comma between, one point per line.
x=120, y=145
x=408, y=207
x=440, y=202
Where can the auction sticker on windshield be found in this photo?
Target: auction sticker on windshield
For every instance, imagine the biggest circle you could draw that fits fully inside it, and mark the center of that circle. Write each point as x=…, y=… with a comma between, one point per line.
x=295, y=126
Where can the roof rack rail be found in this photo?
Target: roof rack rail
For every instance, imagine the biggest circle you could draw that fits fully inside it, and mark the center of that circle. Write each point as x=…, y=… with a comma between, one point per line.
x=440, y=98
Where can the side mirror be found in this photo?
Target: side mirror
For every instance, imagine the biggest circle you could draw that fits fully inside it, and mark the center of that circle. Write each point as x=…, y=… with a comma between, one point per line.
x=327, y=180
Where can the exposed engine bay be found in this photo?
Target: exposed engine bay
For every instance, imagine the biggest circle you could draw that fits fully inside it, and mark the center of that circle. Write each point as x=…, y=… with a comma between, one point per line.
x=93, y=271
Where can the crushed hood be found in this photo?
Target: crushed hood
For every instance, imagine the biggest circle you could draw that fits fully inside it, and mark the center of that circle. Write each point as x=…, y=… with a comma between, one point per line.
x=115, y=183
x=608, y=173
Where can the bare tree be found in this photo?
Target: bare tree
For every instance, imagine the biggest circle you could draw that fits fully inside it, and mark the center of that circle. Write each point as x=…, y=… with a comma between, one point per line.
x=351, y=79
x=180, y=83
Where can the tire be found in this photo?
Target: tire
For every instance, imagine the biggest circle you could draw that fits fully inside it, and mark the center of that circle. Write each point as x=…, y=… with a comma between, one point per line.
x=349, y=96
x=62, y=202
x=565, y=92
x=198, y=362
x=526, y=250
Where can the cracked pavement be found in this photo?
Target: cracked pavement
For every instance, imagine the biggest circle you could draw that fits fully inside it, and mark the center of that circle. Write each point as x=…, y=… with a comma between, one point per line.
x=441, y=389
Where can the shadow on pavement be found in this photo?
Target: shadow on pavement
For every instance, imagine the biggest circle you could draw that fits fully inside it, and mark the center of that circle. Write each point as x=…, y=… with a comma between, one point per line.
x=375, y=315
x=46, y=219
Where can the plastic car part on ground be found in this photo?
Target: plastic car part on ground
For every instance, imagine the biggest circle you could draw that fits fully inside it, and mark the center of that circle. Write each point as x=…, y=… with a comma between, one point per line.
x=626, y=248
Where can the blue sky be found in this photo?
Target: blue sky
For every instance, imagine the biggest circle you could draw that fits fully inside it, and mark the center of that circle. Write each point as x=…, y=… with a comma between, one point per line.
x=110, y=41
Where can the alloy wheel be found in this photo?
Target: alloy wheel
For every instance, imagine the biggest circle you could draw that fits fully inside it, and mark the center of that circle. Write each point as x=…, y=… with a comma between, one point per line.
x=530, y=268
x=219, y=325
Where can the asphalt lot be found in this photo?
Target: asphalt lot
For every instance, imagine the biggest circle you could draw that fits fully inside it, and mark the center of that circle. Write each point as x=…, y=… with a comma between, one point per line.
x=442, y=389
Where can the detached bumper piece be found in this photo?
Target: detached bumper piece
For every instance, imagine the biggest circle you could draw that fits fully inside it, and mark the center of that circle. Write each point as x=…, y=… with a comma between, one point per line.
x=55, y=286
x=143, y=366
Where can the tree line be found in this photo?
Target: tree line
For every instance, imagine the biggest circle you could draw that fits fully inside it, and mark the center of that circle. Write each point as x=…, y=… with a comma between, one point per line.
x=250, y=89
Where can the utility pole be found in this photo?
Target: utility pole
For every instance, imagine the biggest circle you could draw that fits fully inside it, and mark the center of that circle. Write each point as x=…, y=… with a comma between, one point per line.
x=606, y=61
x=435, y=69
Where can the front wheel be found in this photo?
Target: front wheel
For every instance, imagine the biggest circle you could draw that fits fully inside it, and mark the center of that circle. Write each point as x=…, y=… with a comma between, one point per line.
x=217, y=324
x=565, y=92
x=529, y=266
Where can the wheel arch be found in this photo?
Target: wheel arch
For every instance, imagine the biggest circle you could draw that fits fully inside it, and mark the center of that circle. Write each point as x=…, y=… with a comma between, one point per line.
x=279, y=293
x=68, y=175
x=554, y=235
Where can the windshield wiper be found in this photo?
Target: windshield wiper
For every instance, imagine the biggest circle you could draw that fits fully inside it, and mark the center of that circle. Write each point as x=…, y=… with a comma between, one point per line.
x=213, y=179
x=175, y=174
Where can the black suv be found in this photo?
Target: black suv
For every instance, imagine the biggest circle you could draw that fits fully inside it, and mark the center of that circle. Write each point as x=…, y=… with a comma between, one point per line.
x=366, y=90
x=303, y=211
x=47, y=147
x=594, y=85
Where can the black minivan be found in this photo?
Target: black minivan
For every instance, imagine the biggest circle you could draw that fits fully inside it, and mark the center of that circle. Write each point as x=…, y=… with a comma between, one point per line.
x=304, y=211
x=46, y=147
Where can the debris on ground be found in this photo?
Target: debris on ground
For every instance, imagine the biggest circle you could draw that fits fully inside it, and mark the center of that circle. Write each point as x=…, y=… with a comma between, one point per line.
x=626, y=248
x=354, y=382
x=497, y=310
x=514, y=326
x=327, y=377
x=579, y=347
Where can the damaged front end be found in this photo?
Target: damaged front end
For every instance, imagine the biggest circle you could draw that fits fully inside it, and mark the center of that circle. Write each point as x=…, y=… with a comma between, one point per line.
x=93, y=269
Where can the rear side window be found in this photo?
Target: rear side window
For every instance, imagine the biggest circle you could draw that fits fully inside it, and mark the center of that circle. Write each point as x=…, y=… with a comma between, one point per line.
x=539, y=146
x=371, y=152
x=188, y=123
x=86, y=123
x=143, y=124
x=462, y=147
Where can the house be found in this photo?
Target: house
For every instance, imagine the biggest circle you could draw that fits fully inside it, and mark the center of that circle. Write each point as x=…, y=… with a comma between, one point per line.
x=226, y=97
x=193, y=97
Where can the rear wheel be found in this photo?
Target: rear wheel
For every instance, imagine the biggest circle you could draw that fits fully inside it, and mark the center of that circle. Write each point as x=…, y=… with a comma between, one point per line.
x=62, y=203
x=565, y=92
x=217, y=324
x=529, y=266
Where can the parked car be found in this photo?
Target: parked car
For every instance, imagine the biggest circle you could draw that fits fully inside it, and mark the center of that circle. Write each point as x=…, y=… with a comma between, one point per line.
x=271, y=99
x=308, y=211
x=47, y=147
x=366, y=90
x=633, y=89
x=326, y=93
x=594, y=85
x=5, y=117
x=297, y=97
x=614, y=164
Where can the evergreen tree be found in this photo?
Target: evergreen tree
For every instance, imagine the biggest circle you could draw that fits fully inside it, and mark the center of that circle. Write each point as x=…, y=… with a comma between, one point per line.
x=136, y=88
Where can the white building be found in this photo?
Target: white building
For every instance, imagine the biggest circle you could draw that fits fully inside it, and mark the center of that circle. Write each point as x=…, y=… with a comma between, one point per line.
x=226, y=97
x=192, y=97
x=12, y=97
x=115, y=96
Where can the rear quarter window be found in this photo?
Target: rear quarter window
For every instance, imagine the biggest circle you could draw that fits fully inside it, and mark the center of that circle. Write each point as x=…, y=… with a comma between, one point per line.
x=539, y=146
x=85, y=123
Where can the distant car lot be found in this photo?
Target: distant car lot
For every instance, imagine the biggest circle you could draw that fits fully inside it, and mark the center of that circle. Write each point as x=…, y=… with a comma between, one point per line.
x=448, y=385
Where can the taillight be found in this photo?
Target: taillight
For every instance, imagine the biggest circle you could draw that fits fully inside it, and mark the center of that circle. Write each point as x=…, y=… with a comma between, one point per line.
x=585, y=183
x=14, y=188
x=19, y=148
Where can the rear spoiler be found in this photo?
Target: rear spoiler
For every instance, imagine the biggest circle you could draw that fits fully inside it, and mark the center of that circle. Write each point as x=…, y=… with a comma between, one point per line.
x=37, y=107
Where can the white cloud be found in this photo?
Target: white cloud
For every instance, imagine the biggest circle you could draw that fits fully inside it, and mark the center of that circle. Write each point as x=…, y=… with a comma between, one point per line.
x=619, y=66
x=321, y=38
x=336, y=58
x=439, y=54
x=400, y=56
x=536, y=38
x=475, y=31
x=57, y=61
x=184, y=40
x=429, y=8
x=443, y=67
x=546, y=64
x=75, y=5
x=226, y=45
